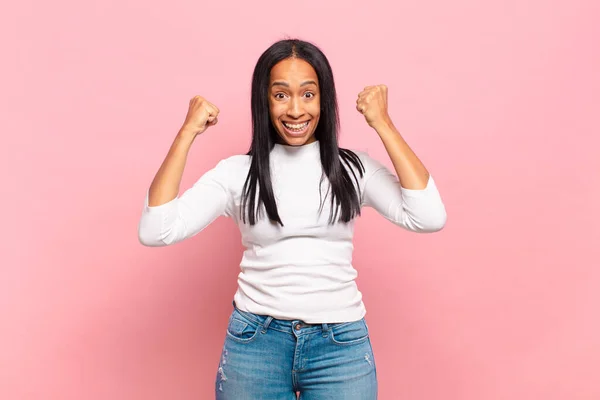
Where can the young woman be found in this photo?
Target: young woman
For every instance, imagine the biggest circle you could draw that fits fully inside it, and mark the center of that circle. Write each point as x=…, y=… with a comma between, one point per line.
x=297, y=323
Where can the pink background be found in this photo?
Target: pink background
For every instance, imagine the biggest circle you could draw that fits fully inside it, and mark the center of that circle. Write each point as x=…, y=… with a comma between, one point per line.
x=500, y=99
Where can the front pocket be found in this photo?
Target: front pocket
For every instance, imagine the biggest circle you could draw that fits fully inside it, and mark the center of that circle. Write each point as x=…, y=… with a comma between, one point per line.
x=350, y=333
x=241, y=331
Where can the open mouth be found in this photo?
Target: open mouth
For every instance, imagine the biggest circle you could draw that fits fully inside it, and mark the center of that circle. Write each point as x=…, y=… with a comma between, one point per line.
x=296, y=129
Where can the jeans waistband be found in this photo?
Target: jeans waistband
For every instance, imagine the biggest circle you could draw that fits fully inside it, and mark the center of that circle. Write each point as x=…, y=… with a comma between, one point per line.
x=282, y=324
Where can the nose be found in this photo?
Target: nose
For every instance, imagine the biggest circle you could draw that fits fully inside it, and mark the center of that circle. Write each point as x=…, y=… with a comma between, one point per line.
x=295, y=108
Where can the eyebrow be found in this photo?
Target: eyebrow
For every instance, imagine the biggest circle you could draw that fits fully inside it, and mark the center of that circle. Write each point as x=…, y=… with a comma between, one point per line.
x=279, y=83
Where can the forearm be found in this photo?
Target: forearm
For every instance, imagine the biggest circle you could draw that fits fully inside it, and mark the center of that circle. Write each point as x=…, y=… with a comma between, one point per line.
x=165, y=185
x=411, y=172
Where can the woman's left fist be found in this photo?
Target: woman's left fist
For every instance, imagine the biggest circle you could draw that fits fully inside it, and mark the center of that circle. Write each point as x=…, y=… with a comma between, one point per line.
x=372, y=103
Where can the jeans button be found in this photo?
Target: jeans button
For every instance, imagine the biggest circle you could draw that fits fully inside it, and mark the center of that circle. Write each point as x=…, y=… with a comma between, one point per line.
x=298, y=327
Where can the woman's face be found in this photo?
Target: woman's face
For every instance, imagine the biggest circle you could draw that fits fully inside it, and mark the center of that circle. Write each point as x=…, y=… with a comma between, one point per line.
x=294, y=101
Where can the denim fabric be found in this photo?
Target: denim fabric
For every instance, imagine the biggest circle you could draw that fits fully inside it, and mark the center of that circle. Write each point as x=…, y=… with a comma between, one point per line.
x=269, y=359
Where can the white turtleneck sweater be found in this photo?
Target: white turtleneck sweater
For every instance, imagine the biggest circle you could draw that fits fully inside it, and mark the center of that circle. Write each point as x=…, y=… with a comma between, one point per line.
x=302, y=270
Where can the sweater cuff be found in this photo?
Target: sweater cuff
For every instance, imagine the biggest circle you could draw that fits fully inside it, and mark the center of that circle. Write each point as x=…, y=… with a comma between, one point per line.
x=158, y=209
x=419, y=193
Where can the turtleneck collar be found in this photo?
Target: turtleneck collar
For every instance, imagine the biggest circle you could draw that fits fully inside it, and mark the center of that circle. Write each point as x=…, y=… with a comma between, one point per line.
x=296, y=151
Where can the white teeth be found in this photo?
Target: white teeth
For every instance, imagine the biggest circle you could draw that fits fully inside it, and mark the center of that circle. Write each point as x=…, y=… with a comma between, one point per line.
x=296, y=126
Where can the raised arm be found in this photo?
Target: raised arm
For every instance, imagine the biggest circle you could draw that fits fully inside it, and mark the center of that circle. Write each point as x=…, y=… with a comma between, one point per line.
x=167, y=219
x=410, y=199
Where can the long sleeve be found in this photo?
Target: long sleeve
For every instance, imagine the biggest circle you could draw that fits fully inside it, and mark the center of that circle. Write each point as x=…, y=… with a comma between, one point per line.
x=188, y=214
x=415, y=210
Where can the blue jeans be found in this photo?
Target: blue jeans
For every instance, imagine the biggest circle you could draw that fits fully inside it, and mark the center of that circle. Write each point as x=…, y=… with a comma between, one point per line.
x=270, y=359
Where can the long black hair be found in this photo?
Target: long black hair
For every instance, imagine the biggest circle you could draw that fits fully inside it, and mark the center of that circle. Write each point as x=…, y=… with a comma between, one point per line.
x=344, y=195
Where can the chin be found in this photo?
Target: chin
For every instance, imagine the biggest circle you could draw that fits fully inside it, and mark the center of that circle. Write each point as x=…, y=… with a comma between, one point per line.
x=296, y=141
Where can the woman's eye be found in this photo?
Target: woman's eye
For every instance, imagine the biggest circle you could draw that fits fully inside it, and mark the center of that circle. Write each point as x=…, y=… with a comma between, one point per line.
x=309, y=93
x=279, y=96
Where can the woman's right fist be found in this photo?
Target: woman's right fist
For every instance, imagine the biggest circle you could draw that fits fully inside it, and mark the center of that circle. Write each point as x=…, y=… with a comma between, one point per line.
x=201, y=114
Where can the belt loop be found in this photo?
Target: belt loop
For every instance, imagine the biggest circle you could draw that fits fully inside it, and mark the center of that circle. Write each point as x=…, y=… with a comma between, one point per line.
x=325, y=329
x=266, y=324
